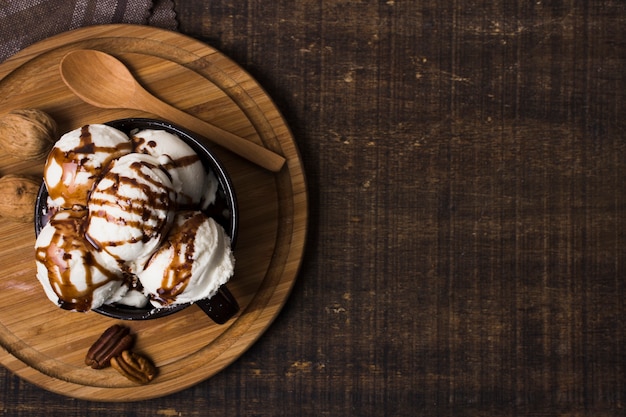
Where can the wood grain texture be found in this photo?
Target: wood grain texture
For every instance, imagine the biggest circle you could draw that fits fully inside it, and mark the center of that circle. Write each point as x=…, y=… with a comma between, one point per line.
x=465, y=162
x=46, y=345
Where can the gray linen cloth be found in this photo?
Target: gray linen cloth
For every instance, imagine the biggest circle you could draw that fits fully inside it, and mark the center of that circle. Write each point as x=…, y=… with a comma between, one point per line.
x=24, y=22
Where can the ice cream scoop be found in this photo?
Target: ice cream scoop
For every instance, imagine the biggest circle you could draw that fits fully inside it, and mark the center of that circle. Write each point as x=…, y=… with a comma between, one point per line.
x=131, y=210
x=192, y=264
x=194, y=186
x=128, y=216
x=77, y=160
x=72, y=274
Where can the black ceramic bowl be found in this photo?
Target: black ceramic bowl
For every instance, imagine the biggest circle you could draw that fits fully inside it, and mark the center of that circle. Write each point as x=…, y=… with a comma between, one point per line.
x=223, y=305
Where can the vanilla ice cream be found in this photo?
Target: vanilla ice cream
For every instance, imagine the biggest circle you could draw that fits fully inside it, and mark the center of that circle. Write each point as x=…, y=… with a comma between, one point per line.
x=131, y=209
x=77, y=160
x=192, y=264
x=195, y=187
x=130, y=222
x=72, y=274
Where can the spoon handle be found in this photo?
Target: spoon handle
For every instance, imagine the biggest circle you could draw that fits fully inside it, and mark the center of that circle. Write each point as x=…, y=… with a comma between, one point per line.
x=248, y=150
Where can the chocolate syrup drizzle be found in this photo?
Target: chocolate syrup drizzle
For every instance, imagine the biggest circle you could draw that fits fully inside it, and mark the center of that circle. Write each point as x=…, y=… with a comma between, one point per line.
x=69, y=241
x=152, y=201
x=70, y=234
x=177, y=275
x=73, y=162
x=139, y=142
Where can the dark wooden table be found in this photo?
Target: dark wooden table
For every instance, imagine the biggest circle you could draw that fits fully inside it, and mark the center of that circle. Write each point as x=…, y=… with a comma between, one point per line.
x=467, y=171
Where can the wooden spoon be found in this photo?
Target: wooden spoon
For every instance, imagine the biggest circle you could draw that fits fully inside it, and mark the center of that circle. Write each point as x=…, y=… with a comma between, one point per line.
x=103, y=81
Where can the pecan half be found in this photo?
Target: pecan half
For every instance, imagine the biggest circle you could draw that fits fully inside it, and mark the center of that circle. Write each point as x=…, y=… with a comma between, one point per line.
x=134, y=366
x=111, y=343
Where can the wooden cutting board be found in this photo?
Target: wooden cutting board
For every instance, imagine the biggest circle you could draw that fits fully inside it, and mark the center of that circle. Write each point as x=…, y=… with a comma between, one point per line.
x=46, y=345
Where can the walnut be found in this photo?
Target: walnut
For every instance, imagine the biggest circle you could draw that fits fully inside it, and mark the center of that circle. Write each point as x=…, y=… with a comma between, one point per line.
x=134, y=366
x=27, y=133
x=17, y=197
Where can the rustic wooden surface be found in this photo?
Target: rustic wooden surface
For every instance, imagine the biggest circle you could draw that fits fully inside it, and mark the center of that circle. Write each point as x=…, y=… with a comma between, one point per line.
x=465, y=257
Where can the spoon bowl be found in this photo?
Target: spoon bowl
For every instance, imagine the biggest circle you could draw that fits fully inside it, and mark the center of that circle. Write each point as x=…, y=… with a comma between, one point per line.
x=99, y=79
x=103, y=81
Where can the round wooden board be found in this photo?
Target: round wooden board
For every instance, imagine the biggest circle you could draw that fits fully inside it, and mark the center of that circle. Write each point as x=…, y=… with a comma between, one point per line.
x=46, y=345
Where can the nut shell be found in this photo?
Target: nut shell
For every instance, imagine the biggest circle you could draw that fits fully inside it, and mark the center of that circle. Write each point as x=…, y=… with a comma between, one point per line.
x=27, y=133
x=17, y=197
